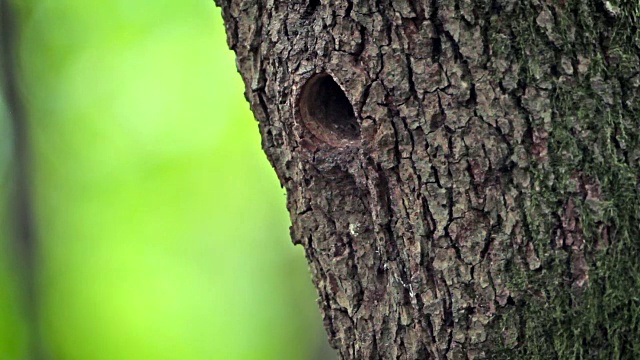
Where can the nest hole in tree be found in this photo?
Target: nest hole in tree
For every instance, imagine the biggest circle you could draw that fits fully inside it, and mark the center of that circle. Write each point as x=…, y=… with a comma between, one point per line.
x=327, y=113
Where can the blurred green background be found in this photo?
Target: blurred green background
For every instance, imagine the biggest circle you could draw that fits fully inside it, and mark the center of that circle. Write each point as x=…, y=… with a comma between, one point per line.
x=162, y=230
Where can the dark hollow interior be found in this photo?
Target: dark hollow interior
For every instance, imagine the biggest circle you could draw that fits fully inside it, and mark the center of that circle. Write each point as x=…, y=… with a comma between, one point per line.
x=327, y=105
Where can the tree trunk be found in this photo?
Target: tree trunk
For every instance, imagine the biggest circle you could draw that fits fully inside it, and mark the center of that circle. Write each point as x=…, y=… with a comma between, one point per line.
x=21, y=215
x=462, y=174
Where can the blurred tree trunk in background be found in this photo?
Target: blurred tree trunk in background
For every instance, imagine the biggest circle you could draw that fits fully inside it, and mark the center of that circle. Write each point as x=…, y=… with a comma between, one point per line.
x=21, y=216
x=462, y=174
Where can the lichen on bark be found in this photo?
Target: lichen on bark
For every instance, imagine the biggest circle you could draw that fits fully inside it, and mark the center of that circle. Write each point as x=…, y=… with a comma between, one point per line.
x=480, y=198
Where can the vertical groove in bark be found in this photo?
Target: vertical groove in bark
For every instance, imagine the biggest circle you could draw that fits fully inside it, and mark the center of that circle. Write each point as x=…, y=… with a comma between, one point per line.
x=489, y=203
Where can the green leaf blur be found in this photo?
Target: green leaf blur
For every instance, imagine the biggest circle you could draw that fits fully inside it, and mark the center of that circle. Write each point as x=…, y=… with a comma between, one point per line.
x=162, y=228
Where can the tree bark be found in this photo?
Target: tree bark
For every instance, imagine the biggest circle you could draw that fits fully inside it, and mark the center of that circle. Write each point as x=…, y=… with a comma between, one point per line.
x=462, y=174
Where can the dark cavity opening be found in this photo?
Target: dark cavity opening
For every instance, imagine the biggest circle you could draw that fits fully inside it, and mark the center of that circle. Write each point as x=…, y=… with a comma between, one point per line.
x=327, y=112
x=312, y=5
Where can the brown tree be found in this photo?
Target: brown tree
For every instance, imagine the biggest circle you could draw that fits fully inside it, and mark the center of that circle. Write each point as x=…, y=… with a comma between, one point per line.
x=462, y=174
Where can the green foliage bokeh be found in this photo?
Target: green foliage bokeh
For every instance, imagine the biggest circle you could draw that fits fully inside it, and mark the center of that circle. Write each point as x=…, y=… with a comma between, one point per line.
x=162, y=229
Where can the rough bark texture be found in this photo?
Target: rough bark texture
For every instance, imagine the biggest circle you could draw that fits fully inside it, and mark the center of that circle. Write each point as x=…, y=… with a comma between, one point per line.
x=462, y=174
